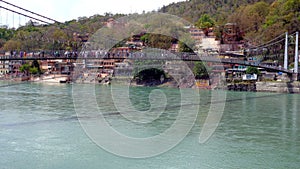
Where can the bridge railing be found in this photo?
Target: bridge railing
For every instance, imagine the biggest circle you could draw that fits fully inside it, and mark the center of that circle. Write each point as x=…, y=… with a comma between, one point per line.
x=139, y=55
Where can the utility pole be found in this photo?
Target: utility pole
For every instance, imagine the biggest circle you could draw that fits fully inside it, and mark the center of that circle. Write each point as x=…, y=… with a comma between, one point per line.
x=296, y=53
x=286, y=51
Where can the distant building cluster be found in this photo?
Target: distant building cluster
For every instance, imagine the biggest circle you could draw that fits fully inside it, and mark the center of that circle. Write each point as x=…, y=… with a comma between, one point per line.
x=205, y=43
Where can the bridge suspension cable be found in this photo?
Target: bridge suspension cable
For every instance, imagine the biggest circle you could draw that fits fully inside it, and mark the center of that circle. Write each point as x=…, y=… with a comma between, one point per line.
x=25, y=15
x=29, y=11
x=35, y=15
x=32, y=15
x=270, y=42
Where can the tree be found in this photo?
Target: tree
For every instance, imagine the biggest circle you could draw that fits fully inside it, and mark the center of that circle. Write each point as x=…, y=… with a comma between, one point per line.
x=205, y=22
x=251, y=17
x=252, y=70
x=184, y=47
x=200, y=70
x=186, y=44
x=157, y=41
x=283, y=16
x=25, y=68
x=33, y=70
x=35, y=64
x=6, y=34
x=12, y=45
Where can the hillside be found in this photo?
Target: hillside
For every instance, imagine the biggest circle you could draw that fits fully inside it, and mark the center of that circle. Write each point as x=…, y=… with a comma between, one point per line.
x=191, y=10
x=260, y=20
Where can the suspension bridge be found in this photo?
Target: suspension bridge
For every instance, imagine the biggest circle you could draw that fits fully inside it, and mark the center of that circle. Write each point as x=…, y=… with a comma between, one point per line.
x=276, y=50
x=176, y=56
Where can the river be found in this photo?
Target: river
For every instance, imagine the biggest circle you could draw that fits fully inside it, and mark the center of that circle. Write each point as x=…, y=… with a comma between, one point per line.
x=39, y=128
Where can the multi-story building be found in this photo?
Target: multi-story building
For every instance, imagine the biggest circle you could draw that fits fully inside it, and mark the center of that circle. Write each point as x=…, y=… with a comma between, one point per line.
x=204, y=43
x=232, y=38
x=4, y=64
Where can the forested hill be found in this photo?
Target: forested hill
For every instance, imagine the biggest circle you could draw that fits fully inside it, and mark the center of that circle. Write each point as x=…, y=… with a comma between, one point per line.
x=261, y=21
x=265, y=19
x=219, y=9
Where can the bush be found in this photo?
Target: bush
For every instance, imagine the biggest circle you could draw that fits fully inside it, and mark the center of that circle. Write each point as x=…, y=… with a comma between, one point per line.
x=252, y=70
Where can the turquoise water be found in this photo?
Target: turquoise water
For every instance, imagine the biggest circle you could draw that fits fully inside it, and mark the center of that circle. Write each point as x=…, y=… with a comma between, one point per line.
x=39, y=128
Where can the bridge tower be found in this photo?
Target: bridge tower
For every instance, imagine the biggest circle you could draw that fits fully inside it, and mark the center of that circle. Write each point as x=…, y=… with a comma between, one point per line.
x=285, y=64
x=296, y=53
x=295, y=75
x=296, y=67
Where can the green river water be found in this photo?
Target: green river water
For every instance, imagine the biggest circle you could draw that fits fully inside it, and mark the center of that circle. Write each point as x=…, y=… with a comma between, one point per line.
x=39, y=129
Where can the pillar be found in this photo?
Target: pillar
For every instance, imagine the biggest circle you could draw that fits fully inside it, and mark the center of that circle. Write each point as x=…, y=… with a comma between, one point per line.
x=285, y=65
x=296, y=53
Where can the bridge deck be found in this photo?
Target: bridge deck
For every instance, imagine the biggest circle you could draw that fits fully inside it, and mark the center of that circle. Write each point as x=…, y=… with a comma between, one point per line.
x=182, y=57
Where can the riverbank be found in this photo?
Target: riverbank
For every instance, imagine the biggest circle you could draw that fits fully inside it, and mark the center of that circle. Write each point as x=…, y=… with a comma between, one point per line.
x=247, y=87
x=262, y=86
x=280, y=87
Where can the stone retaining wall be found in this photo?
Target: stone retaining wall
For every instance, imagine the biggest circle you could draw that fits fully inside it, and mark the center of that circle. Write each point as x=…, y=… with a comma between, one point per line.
x=251, y=87
x=281, y=87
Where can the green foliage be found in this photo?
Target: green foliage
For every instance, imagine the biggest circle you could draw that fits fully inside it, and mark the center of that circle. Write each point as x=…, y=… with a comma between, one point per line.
x=218, y=9
x=12, y=45
x=24, y=68
x=283, y=16
x=257, y=18
x=251, y=17
x=35, y=64
x=183, y=47
x=140, y=65
x=33, y=69
x=157, y=41
x=205, y=22
x=200, y=71
x=260, y=20
x=252, y=70
x=51, y=37
x=5, y=35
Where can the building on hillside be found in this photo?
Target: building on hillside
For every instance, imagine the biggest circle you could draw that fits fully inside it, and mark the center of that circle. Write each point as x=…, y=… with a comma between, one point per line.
x=174, y=47
x=4, y=65
x=115, y=24
x=205, y=43
x=231, y=34
x=57, y=67
x=102, y=65
x=14, y=65
x=210, y=45
x=135, y=41
x=232, y=38
x=196, y=33
x=80, y=37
